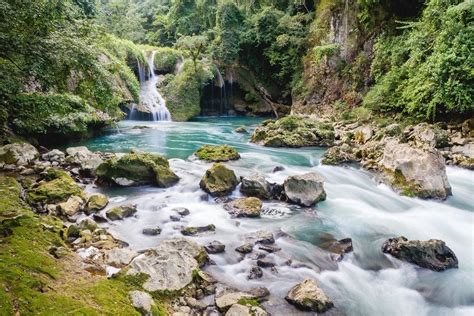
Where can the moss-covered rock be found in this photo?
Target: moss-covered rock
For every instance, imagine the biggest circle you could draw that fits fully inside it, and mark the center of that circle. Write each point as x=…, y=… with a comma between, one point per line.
x=219, y=180
x=20, y=154
x=195, y=230
x=57, y=186
x=11, y=204
x=217, y=153
x=121, y=212
x=96, y=203
x=244, y=207
x=293, y=131
x=137, y=169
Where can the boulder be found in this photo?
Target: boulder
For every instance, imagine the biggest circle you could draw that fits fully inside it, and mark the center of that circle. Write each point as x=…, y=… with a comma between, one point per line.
x=120, y=257
x=143, y=302
x=72, y=206
x=217, y=153
x=84, y=158
x=363, y=134
x=426, y=134
x=339, y=155
x=155, y=231
x=96, y=203
x=306, y=189
x=57, y=186
x=432, y=254
x=415, y=171
x=170, y=266
x=255, y=273
x=215, y=247
x=121, y=212
x=245, y=310
x=20, y=154
x=244, y=207
x=54, y=155
x=307, y=296
x=192, y=231
x=256, y=185
x=88, y=224
x=228, y=297
x=219, y=180
x=245, y=248
x=137, y=168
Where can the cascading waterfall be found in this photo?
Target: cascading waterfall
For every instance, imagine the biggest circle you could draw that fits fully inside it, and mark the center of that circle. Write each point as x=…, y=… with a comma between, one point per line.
x=223, y=96
x=150, y=97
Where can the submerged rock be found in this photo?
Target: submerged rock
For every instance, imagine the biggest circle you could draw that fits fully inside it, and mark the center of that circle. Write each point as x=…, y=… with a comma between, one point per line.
x=338, y=247
x=432, y=254
x=306, y=189
x=217, y=153
x=255, y=273
x=244, y=207
x=96, y=203
x=219, y=180
x=307, y=296
x=121, y=212
x=137, y=169
x=170, y=265
x=415, y=171
x=20, y=154
x=241, y=129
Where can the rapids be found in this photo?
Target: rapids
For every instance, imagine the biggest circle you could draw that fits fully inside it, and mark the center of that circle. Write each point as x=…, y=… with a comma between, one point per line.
x=366, y=282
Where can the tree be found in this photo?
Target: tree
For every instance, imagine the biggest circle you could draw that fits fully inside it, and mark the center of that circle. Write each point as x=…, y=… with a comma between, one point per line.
x=193, y=46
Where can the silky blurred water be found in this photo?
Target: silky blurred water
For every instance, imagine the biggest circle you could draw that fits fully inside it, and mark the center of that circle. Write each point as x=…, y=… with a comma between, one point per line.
x=366, y=282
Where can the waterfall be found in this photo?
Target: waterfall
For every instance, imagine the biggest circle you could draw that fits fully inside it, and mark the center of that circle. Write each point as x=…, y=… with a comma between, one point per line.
x=150, y=97
x=223, y=95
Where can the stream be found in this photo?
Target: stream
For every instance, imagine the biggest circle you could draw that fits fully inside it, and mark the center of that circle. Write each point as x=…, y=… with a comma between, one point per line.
x=365, y=282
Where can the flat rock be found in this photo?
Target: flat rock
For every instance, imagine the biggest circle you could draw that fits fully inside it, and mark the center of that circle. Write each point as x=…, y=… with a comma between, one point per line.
x=245, y=248
x=196, y=230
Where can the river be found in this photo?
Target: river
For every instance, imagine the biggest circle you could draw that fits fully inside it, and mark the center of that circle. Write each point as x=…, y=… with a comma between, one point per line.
x=365, y=282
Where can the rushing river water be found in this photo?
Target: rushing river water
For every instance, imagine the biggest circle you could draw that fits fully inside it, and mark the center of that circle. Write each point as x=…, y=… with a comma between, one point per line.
x=366, y=282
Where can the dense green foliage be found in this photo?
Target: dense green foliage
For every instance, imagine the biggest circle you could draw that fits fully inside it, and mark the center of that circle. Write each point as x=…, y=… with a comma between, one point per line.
x=428, y=69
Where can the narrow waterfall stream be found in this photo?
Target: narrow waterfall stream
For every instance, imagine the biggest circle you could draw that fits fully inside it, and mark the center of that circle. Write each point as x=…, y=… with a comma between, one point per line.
x=150, y=97
x=365, y=282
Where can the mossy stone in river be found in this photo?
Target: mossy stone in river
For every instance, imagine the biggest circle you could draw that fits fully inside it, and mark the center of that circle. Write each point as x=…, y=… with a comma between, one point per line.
x=137, y=169
x=58, y=186
x=219, y=180
x=217, y=153
x=121, y=212
x=96, y=203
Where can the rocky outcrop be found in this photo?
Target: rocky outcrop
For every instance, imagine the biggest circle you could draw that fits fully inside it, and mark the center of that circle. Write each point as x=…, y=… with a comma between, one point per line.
x=293, y=131
x=137, y=168
x=219, y=180
x=170, y=266
x=415, y=171
x=306, y=189
x=432, y=254
x=244, y=207
x=217, y=153
x=307, y=296
x=19, y=154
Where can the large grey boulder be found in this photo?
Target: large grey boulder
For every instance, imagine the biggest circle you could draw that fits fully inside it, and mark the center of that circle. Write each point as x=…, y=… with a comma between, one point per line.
x=306, y=189
x=170, y=265
x=415, y=171
x=20, y=154
x=84, y=158
x=432, y=254
x=307, y=296
x=255, y=185
x=54, y=155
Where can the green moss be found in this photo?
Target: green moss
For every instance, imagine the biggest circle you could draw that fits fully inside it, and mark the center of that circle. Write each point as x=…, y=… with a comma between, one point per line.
x=219, y=180
x=248, y=302
x=57, y=187
x=166, y=59
x=11, y=204
x=217, y=153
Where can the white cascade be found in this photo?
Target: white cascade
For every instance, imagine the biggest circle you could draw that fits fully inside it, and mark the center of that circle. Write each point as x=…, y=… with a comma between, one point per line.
x=150, y=97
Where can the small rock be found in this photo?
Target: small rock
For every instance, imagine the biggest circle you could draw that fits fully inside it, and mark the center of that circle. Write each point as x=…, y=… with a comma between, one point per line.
x=191, y=231
x=243, y=310
x=265, y=263
x=262, y=237
x=240, y=129
x=181, y=211
x=96, y=203
x=121, y=212
x=195, y=304
x=87, y=224
x=58, y=252
x=215, y=247
x=151, y=231
x=278, y=169
x=259, y=292
x=269, y=248
x=142, y=301
x=245, y=248
x=255, y=273
x=244, y=207
x=175, y=218
x=228, y=297
x=307, y=296
x=71, y=206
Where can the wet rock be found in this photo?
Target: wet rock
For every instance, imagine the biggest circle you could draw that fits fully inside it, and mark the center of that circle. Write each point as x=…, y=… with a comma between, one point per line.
x=96, y=203
x=339, y=247
x=244, y=207
x=265, y=263
x=170, y=265
x=217, y=153
x=19, y=154
x=278, y=169
x=192, y=231
x=269, y=248
x=215, y=247
x=307, y=296
x=175, y=218
x=181, y=211
x=306, y=189
x=415, y=171
x=432, y=254
x=137, y=168
x=98, y=218
x=72, y=206
x=121, y=212
x=244, y=310
x=219, y=180
x=143, y=302
x=259, y=292
x=241, y=129
x=255, y=185
x=263, y=237
x=255, y=273
x=120, y=257
x=155, y=231
x=245, y=248
x=84, y=158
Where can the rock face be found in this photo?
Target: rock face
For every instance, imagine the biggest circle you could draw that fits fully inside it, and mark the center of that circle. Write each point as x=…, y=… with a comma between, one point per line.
x=306, y=189
x=20, y=154
x=244, y=207
x=96, y=203
x=84, y=158
x=219, y=180
x=217, y=153
x=307, y=296
x=293, y=131
x=137, y=169
x=415, y=171
x=57, y=187
x=432, y=254
x=121, y=212
x=256, y=185
x=170, y=265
